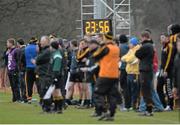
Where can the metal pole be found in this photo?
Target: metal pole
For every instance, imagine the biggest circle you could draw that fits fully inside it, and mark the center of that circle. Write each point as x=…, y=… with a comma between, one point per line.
x=114, y=18
x=81, y=18
x=115, y=8
x=129, y=18
x=99, y=9
x=95, y=9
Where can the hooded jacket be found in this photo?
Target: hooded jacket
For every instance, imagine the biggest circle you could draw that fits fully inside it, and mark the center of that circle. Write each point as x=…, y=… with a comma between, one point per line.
x=131, y=60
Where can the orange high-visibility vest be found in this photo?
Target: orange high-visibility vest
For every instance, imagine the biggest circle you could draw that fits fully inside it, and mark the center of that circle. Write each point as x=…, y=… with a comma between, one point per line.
x=109, y=67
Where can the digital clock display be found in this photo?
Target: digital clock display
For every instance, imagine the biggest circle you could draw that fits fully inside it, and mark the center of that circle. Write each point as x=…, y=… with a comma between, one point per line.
x=97, y=26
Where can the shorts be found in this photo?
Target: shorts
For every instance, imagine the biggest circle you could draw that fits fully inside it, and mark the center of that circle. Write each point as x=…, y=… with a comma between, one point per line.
x=76, y=77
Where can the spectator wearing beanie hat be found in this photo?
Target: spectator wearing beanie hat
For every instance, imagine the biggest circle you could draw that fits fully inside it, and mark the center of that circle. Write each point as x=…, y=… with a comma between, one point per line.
x=123, y=38
x=123, y=77
x=134, y=41
x=108, y=59
x=132, y=69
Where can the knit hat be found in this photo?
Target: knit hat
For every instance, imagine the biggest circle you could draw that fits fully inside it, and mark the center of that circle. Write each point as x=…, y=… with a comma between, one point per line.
x=109, y=35
x=123, y=38
x=55, y=45
x=134, y=41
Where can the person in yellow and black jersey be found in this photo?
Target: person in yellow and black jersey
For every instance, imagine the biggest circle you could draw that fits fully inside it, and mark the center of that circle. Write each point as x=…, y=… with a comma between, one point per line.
x=74, y=77
x=173, y=31
x=82, y=57
x=91, y=69
x=107, y=82
x=166, y=72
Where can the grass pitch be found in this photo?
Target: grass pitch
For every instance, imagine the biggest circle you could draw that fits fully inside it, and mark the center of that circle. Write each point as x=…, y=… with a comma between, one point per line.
x=30, y=114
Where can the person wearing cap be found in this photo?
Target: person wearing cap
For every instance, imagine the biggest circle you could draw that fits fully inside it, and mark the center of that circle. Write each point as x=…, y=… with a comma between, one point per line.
x=132, y=69
x=30, y=76
x=21, y=67
x=124, y=48
x=106, y=85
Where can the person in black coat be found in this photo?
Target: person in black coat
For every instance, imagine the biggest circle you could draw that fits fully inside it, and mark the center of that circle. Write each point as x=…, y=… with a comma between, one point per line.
x=42, y=70
x=20, y=58
x=145, y=54
x=124, y=48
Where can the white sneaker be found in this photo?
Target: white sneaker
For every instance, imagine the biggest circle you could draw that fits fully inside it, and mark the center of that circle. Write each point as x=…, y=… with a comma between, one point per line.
x=148, y=114
x=123, y=109
x=168, y=108
x=29, y=102
x=130, y=109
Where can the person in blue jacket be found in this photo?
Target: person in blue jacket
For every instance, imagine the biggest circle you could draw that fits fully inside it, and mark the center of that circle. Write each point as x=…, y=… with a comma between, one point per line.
x=30, y=77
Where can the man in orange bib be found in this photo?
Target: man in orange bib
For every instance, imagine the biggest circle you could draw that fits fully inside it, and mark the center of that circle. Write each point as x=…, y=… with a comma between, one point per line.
x=106, y=86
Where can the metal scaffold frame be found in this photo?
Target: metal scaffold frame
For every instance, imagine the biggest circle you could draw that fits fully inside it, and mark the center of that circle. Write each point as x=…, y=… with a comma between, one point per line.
x=117, y=10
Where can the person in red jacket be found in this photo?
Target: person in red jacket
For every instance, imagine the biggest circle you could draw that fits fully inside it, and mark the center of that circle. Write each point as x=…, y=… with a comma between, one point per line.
x=155, y=61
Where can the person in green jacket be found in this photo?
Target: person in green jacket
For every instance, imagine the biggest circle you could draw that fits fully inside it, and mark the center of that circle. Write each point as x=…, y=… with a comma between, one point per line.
x=56, y=69
x=53, y=93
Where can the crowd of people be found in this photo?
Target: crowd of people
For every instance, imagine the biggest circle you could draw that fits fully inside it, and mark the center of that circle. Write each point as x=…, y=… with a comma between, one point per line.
x=108, y=72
